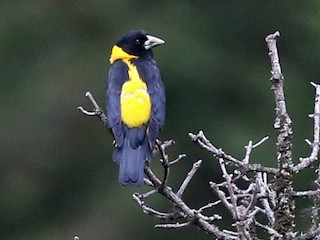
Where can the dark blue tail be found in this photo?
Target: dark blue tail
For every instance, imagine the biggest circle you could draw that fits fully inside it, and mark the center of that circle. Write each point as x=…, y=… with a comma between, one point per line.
x=131, y=161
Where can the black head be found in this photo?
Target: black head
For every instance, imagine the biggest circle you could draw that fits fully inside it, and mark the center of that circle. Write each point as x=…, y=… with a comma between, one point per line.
x=138, y=43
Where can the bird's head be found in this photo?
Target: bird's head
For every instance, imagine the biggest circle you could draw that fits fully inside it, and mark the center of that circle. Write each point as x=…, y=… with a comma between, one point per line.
x=134, y=44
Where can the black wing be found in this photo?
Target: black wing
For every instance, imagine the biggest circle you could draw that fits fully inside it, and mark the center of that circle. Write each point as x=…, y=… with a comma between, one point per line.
x=118, y=74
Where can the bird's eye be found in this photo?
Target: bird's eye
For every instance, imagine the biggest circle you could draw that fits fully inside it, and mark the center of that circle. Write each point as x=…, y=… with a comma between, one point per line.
x=137, y=41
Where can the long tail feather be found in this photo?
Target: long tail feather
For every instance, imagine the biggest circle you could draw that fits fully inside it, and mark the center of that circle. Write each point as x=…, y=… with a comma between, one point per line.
x=131, y=162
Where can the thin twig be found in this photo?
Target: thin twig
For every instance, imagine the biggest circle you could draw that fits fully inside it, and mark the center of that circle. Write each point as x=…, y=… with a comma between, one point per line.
x=164, y=158
x=148, y=210
x=307, y=161
x=250, y=147
x=270, y=230
x=190, y=175
x=308, y=193
x=97, y=111
x=181, y=156
x=203, y=142
x=173, y=226
x=230, y=189
x=262, y=184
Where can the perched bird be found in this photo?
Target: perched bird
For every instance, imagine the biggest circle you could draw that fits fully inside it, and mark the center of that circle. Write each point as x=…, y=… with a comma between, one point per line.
x=135, y=100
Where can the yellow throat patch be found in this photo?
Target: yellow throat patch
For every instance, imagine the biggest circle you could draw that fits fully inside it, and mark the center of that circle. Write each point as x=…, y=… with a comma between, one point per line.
x=118, y=53
x=134, y=99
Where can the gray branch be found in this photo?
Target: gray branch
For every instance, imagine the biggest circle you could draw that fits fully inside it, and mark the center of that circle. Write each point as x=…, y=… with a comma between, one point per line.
x=307, y=161
x=97, y=111
x=218, y=153
x=284, y=209
x=245, y=191
x=189, y=214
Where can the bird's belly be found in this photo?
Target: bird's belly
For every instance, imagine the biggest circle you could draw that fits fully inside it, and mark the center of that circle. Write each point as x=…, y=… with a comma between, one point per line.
x=135, y=103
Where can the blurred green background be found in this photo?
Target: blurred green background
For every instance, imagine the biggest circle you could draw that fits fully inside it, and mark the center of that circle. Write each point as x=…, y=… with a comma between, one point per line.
x=57, y=178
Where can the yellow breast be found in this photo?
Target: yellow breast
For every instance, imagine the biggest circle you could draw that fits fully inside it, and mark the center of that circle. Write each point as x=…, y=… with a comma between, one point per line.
x=135, y=100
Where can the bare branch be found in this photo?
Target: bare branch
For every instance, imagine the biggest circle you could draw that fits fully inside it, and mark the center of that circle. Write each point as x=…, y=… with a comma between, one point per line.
x=311, y=234
x=250, y=147
x=277, y=79
x=185, y=209
x=173, y=226
x=164, y=158
x=206, y=218
x=209, y=205
x=308, y=193
x=150, y=211
x=148, y=194
x=244, y=191
x=315, y=213
x=233, y=197
x=262, y=184
x=307, y=161
x=181, y=156
x=284, y=213
x=260, y=142
x=248, y=152
x=203, y=142
x=147, y=181
x=270, y=230
x=190, y=175
x=222, y=196
x=97, y=111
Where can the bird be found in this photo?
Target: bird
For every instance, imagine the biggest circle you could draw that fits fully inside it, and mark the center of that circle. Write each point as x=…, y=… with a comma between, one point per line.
x=135, y=103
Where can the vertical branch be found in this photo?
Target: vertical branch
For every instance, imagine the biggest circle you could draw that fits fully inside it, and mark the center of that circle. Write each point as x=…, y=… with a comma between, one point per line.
x=284, y=215
x=314, y=156
x=316, y=124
